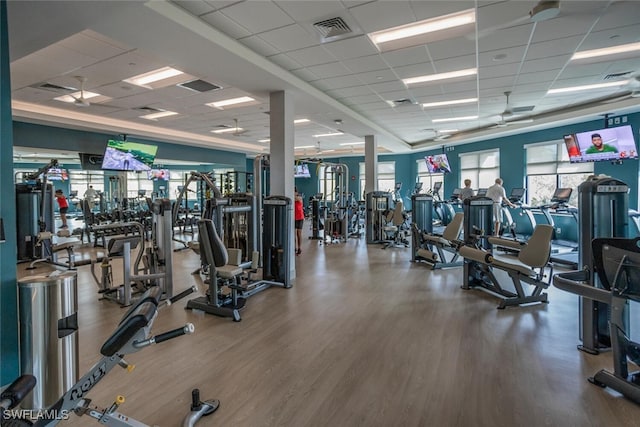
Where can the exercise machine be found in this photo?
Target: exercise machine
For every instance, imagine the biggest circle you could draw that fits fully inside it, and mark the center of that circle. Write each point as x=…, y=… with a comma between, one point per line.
x=617, y=264
x=132, y=334
x=378, y=203
x=433, y=248
x=482, y=270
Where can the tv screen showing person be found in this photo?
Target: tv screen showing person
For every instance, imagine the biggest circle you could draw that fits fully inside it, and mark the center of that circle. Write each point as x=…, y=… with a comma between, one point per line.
x=604, y=144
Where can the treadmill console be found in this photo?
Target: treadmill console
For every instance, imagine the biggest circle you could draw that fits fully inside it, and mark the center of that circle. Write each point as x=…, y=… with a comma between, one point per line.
x=456, y=193
x=516, y=195
x=561, y=195
x=481, y=192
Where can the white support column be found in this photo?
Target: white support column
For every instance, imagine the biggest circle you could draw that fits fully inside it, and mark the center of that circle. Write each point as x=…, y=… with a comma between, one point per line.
x=281, y=181
x=370, y=163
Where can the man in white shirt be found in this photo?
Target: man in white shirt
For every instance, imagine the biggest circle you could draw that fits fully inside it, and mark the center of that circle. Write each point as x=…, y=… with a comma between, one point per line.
x=497, y=193
x=90, y=194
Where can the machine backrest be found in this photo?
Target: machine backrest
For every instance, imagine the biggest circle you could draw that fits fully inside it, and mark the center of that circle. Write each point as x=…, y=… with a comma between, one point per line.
x=210, y=244
x=453, y=229
x=538, y=249
x=152, y=295
x=398, y=214
x=128, y=328
x=115, y=247
x=617, y=263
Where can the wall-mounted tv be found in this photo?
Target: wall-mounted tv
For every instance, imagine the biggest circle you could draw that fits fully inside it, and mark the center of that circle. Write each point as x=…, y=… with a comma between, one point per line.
x=601, y=145
x=302, y=171
x=438, y=163
x=159, y=174
x=128, y=156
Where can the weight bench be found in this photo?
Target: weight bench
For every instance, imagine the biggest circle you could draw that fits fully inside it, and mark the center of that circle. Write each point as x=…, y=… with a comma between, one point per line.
x=480, y=267
x=433, y=247
x=220, y=271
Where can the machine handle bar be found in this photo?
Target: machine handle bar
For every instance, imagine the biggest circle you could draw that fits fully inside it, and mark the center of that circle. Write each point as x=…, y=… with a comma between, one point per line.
x=576, y=282
x=17, y=391
x=181, y=295
x=187, y=329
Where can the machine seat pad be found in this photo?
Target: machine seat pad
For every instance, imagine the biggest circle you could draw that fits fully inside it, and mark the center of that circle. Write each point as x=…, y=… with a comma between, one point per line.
x=65, y=245
x=128, y=328
x=390, y=228
x=514, y=265
x=228, y=271
x=509, y=243
x=436, y=239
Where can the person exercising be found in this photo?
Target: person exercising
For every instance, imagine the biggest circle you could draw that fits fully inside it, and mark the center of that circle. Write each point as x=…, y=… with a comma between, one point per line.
x=467, y=191
x=63, y=204
x=497, y=193
x=598, y=146
x=298, y=210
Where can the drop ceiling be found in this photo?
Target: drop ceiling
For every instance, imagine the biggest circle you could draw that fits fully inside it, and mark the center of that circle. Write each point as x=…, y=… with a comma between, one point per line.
x=253, y=48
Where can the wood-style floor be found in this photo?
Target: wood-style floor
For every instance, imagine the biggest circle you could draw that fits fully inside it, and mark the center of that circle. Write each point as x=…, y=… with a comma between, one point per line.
x=364, y=338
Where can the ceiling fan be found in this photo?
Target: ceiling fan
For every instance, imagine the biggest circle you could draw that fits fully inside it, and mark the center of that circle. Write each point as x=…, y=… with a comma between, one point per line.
x=238, y=130
x=81, y=101
x=543, y=10
x=507, y=114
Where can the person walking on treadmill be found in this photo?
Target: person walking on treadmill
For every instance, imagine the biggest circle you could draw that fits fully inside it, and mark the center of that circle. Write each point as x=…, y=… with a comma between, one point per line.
x=298, y=210
x=467, y=191
x=497, y=193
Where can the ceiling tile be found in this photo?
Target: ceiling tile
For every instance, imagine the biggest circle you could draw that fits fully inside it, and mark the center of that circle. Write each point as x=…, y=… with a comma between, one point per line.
x=380, y=15
x=579, y=70
x=258, y=16
x=313, y=10
x=619, y=14
x=366, y=63
x=387, y=86
x=553, y=48
x=288, y=38
x=94, y=45
x=311, y=56
x=544, y=64
x=305, y=75
x=508, y=55
x=258, y=45
x=378, y=76
x=228, y=26
x=350, y=91
x=433, y=9
x=338, y=82
x=221, y=4
x=355, y=100
x=285, y=61
x=505, y=38
x=459, y=46
x=351, y=48
x=196, y=7
x=333, y=69
x=611, y=37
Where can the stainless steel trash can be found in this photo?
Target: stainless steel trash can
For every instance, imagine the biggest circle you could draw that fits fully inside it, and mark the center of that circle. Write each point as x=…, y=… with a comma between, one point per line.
x=47, y=311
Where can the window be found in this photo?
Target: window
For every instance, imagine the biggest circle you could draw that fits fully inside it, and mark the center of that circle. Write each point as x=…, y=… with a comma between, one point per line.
x=426, y=178
x=386, y=176
x=548, y=168
x=80, y=180
x=482, y=168
x=138, y=181
x=177, y=179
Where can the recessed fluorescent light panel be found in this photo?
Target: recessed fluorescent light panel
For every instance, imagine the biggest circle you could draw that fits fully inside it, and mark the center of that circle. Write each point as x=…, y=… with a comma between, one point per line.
x=455, y=119
x=452, y=102
x=613, y=50
x=301, y=121
x=230, y=102
x=447, y=130
x=157, y=78
x=159, y=115
x=328, y=134
x=352, y=143
x=227, y=130
x=304, y=146
x=442, y=76
x=76, y=96
x=587, y=87
x=264, y=140
x=423, y=32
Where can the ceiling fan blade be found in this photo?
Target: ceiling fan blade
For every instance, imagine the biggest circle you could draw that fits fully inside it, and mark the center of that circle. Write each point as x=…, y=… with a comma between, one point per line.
x=490, y=30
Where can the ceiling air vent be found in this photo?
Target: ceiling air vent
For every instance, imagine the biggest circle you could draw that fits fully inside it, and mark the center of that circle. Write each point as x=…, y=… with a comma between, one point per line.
x=332, y=28
x=148, y=109
x=199, y=86
x=523, y=109
x=402, y=102
x=617, y=75
x=56, y=88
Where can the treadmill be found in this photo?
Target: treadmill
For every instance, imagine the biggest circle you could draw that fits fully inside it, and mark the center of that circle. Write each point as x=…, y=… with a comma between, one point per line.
x=560, y=202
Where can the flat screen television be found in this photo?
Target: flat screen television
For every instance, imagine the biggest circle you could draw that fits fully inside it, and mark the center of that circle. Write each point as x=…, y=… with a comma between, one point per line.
x=608, y=144
x=57, y=174
x=159, y=174
x=128, y=156
x=302, y=171
x=438, y=163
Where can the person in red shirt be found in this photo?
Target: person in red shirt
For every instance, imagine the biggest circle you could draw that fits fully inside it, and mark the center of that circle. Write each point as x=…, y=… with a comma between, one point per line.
x=63, y=204
x=298, y=211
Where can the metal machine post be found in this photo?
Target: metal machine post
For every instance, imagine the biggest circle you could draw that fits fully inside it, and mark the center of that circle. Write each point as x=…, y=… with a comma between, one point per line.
x=422, y=217
x=603, y=204
x=377, y=203
x=162, y=233
x=276, y=246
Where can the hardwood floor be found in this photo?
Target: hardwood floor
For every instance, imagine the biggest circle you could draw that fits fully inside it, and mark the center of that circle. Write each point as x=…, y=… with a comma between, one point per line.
x=364, y=338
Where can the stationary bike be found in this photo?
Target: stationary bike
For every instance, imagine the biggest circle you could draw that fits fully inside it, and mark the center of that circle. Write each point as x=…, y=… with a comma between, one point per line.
x=132, y=334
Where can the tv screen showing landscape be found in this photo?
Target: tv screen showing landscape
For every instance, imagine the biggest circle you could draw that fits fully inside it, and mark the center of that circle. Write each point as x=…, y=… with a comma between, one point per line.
x=438, y=163
x=302, y=171
x=159, y=174
x=128, y=156
x=57, y=174
x=601, y=145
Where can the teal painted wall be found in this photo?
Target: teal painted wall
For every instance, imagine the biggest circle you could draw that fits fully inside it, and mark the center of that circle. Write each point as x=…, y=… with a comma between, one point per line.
x=8, y=295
